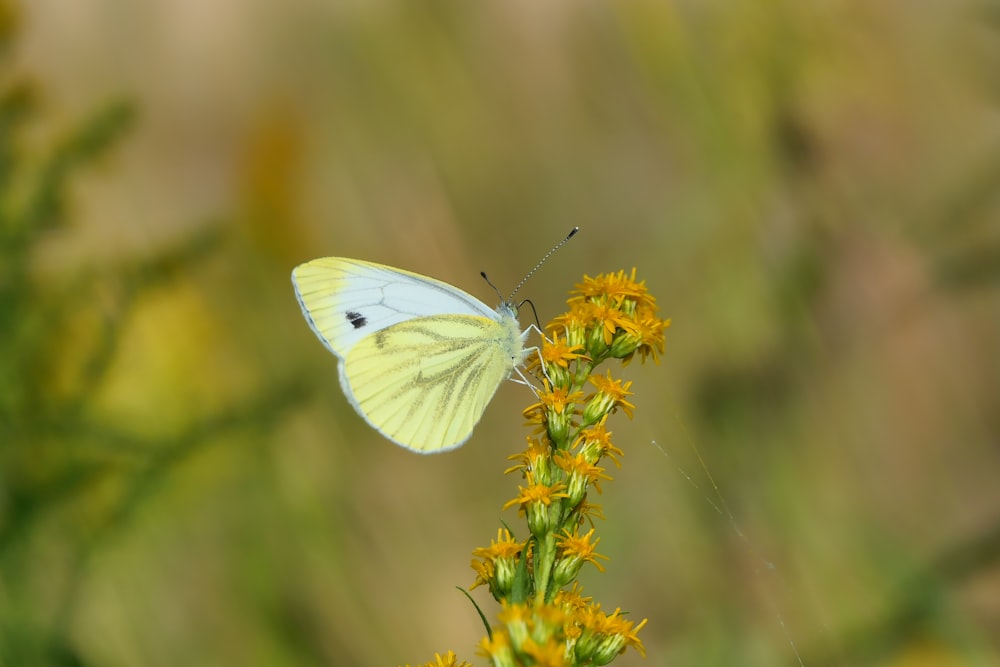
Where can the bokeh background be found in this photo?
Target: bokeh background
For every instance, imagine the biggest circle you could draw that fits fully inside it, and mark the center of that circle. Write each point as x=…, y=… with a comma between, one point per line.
x=810, y=189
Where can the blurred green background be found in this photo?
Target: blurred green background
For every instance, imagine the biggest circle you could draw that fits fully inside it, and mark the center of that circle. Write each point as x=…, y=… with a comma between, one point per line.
x=810, y=189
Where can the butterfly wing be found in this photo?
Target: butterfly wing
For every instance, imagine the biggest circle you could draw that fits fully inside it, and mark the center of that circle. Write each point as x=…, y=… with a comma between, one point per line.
x=346, y=300
x=424, y=383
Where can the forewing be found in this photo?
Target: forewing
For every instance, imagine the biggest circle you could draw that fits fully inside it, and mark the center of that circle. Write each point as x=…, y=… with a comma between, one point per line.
x=346, y=300
x=426, y=382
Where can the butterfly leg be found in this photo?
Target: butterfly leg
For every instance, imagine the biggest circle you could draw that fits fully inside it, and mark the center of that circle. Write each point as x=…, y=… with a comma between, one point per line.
x=537, y=350
x=522, y=379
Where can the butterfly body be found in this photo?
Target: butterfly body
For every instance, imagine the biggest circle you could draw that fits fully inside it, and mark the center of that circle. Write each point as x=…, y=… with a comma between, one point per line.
x=419, y=359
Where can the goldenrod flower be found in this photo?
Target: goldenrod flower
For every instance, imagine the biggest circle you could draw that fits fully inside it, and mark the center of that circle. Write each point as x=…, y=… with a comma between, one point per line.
x=644, y=336
x=594, y=442
x=518, y=621
x=498, y=649
x=609, y=397
x=574, y=551
x=557, y=355
x=650, y=330
x=573, y=324
x=609, y=318
x=550, y=620
x=596, y=638
x=612, y=315
x=560, y=354
x=604, y=637
x=587, y=511
x=536, y=459
x=535, y=500
x=554, y=411
x=496, y=564
x=580, y=474
x=541, y=623
x=449, y=660
x=549, y=654
x=572, y=600
x=615, y=286
x=531, y=634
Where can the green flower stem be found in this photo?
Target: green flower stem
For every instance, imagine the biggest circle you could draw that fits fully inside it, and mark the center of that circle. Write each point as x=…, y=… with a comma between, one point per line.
x=543, y=565
x=582, y=373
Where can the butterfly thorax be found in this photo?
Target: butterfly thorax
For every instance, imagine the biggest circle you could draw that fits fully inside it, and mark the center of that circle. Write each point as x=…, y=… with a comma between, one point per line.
x=513, y=337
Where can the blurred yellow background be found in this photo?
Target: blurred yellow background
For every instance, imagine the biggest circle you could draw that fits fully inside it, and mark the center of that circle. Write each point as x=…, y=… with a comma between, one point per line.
x=810, y=189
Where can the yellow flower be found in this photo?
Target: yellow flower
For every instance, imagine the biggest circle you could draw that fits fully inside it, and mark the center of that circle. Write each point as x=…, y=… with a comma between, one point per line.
x=615, y=286
x=548, y=654
x=580, y=474
x=554, y=411
x=651, y=330
x=449, y=660
x=536, y=632
x=609, y=397
x=536, y=459
x=572, y=600
x=574, y=551
x=498, y=649
x=604, y=637
x=561, y=353
x=557, y=355
x=595, y=442
x=556, y=401
x=573, y=324
x=497, y=563
x=610, y=318
x=620, y=316
x=549, y=621
x=485, y=573
x=646, y=338
x=535, y=500
x=586, y=511
x=518, y=621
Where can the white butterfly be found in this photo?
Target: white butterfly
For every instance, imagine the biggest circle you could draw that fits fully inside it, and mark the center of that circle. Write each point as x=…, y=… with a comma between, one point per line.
x=419, y=359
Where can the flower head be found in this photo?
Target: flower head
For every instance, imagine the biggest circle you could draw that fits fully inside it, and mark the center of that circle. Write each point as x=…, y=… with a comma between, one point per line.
x=580, y=475
x=497, y=647
x=496, y=565
x=536, y=459
x=615, y=287
x=558, y=356
x=554, y=411
x=604, y=637
x=595, y=442
x=448, y=660
x=609, y=397
x=619, y=314
x=534, y=500
x=573, y=551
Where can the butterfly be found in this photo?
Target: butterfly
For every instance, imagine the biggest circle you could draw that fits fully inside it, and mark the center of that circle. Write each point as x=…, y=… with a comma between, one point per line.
x=419, y=359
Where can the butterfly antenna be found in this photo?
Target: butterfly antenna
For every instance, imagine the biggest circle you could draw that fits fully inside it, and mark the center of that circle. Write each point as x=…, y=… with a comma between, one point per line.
x=537, y=321
x=490, y=283
x=571, y=234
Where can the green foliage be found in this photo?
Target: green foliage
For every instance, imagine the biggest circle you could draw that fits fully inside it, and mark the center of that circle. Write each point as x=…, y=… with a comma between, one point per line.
x=56, y=460
x=34, y=423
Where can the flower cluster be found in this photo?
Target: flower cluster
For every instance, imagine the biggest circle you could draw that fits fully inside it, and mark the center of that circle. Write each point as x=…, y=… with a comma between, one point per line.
x=544, y=620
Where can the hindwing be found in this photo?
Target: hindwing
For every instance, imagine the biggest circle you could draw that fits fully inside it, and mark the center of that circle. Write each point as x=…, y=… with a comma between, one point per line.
x=425, y=383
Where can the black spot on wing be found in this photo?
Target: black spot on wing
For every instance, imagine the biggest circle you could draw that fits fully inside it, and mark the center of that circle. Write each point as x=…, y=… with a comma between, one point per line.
x=356, y=319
